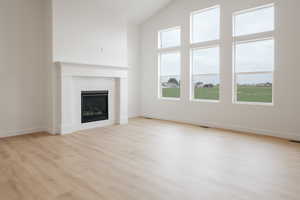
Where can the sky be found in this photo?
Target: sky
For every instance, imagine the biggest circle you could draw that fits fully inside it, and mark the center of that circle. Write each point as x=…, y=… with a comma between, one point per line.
x=250, y=57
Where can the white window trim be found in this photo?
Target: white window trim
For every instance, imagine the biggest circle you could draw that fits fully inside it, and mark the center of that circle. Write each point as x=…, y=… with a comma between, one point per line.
x=203, y=45
x=255, y=37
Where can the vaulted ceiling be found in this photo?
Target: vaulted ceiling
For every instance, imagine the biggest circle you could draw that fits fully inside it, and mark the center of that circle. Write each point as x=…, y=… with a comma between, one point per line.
x=140, y=10
x=137, y=11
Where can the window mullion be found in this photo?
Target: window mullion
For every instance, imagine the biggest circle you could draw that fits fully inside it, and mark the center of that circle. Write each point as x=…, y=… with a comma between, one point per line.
x=205, y=45
x=166, y=50
x=253, y=37
x=258, y=72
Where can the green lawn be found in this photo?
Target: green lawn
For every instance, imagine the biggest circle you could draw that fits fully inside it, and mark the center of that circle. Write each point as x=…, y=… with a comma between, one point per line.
x=254, y=94
x=245, y=93
x=207, y=93
x=200, y=93
x=171, y=92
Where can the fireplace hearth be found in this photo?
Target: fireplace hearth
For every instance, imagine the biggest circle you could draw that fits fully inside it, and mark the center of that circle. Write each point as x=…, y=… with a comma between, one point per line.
x=94, y=106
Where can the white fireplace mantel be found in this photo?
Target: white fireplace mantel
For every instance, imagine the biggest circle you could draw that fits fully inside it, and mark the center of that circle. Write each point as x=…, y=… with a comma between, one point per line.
x=66, y=72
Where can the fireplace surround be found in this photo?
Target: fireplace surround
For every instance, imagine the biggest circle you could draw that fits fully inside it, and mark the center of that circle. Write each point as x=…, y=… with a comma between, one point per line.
x=72, y=79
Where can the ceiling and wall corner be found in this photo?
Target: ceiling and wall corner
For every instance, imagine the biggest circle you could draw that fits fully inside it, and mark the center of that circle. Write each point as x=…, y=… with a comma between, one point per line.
x=138, y=11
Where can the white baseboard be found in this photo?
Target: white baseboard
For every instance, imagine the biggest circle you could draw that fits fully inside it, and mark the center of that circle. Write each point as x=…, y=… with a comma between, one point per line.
x=12, y=133
x=284, y=135
x=52, y=131
x=134, y=116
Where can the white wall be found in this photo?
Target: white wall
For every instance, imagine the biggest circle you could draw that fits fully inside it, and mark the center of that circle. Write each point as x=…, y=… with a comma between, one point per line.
x=279, y=120
x=133, y=47
x=92, y=32
x=49, y=64
x=22, y=66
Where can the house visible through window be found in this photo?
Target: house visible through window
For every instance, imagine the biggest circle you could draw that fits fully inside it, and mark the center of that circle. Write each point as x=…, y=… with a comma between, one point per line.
x=254, y=55
x=169, y=63
x=205, y=58
x=205, y=70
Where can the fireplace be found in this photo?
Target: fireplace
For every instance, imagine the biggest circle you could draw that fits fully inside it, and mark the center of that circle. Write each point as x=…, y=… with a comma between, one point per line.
x=72, y=79
x=94, y=106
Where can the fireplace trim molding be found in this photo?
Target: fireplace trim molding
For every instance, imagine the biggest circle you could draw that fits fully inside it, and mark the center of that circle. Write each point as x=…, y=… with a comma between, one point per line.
x=66, y=72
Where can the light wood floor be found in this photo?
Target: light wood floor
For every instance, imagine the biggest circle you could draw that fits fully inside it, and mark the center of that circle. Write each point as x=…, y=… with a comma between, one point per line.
x=149, y=160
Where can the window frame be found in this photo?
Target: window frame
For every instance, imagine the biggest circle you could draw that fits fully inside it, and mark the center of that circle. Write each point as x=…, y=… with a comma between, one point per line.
x=166, y=50
x=251, y=38
x=203, y=45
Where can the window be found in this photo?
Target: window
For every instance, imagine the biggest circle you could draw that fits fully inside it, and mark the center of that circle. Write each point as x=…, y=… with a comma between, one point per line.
x=169, y=62
x=205, y=54
x=254, y=21
x=205, y=73
x=205, y=25
x=170, y=74
x=169, y=38
x=254, y=55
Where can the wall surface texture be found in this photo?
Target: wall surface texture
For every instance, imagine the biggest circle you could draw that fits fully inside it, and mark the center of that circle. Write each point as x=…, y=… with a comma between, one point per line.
x=133, y=55
x=92, y=32
x=23, y=54
x=279, y=120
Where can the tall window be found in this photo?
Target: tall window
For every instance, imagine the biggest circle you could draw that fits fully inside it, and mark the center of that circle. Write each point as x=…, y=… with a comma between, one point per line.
x=169, y=63
x=253, y=33
x=205, y=58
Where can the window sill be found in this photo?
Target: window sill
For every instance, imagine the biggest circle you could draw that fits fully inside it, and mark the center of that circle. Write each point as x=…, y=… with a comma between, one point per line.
x=173, y=48
x=253, y=103
x=205, y=101
x=168, y=99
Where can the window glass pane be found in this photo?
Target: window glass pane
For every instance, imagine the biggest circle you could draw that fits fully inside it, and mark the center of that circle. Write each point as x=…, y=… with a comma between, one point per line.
x=255, y=56
x=170, y=38
x=170, y=74
x=205, y=73
x=206, y=25
x=205, y=61
x=257, y=21
x=206, y=86
x=254, y=87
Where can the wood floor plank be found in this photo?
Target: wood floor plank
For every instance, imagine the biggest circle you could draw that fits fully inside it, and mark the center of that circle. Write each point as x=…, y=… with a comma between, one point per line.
x=149, y=160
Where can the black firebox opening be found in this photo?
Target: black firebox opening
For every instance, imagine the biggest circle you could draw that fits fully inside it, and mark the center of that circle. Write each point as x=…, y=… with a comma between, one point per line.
x=94, y=106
